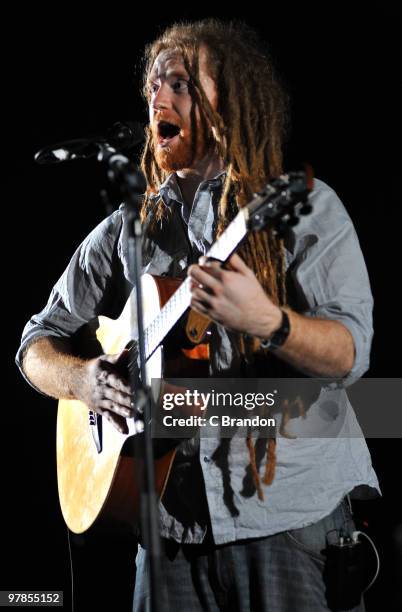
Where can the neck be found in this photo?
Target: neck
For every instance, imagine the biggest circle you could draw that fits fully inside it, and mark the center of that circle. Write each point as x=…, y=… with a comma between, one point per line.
x=190, y=178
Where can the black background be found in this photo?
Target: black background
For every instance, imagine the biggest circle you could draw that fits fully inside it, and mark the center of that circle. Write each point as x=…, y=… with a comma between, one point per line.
x=67, y=75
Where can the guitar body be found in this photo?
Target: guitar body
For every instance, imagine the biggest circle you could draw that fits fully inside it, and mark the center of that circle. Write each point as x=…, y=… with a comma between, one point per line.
x=98, y=478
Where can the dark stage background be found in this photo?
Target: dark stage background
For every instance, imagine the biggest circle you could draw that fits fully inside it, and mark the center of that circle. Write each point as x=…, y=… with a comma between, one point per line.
x=70, y=75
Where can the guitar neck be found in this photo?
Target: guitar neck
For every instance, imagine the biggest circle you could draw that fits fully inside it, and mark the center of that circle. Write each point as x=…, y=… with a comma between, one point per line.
x=180, y=300
x=279, y=204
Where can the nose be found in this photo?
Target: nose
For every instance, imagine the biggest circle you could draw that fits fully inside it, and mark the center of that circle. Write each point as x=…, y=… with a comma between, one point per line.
x=161, y=98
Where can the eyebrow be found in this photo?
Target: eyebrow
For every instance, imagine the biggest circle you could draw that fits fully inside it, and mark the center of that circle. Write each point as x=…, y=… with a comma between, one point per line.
x=175, y=73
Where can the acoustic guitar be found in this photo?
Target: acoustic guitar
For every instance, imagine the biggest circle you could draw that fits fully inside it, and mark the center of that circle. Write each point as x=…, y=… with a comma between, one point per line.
x=98, y=476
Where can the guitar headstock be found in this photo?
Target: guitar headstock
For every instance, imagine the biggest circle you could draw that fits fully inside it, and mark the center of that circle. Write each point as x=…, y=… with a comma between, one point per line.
x=281, y=202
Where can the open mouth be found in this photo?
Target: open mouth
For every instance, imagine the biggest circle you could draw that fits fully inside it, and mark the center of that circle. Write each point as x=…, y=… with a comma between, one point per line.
x=167, y=131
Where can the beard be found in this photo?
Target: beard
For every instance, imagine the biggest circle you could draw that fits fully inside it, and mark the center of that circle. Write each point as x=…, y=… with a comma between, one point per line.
x=176, y=157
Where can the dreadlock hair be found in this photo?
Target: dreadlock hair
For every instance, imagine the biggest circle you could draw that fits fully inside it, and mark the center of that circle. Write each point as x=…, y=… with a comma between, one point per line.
x=248, y=127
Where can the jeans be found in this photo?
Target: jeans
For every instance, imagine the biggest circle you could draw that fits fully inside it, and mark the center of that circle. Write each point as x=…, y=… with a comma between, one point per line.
x=279, y=573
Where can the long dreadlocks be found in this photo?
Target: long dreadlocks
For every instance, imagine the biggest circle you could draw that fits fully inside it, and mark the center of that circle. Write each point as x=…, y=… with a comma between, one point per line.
x=248, y=127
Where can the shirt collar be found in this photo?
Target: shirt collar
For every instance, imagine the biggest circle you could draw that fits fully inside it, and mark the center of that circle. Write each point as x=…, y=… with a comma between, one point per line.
x=170, y=190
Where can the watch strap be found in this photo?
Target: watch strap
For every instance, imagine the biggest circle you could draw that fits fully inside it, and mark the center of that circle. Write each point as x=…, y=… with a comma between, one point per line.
x=279, y=336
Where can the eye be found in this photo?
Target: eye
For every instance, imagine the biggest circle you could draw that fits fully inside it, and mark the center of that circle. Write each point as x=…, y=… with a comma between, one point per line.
x=180, y=86
x=152, y=87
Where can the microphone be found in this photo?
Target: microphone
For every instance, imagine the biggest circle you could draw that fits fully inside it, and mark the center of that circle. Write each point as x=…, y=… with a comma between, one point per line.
x=122, y=135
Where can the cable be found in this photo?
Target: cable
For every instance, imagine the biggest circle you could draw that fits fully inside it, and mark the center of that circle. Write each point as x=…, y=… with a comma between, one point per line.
x=71, y=569
x=355, y=536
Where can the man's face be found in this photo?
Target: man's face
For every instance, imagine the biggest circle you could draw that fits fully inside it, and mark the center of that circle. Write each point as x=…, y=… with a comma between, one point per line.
x=170, y=108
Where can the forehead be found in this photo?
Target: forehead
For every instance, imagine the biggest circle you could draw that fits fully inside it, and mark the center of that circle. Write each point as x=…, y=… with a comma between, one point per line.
x=167, y=61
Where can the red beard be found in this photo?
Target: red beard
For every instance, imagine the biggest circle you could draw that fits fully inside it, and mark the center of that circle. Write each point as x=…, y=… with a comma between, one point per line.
x=172, y=158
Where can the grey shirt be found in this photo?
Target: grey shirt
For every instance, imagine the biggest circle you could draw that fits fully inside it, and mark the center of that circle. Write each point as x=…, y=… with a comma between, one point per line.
x=328, y=278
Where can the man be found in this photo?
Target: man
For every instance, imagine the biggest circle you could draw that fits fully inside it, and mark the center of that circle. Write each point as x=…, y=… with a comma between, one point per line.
x=217, y=116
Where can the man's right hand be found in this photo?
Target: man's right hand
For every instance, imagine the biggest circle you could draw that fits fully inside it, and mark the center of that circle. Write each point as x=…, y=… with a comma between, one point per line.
x=106, y=391
x=101, y=383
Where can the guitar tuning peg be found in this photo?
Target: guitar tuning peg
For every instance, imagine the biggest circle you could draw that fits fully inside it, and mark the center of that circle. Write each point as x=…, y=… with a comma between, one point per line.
x=305, y=209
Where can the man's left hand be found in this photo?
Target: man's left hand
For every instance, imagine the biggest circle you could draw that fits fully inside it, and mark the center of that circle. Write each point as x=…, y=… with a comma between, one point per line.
x=233, y=297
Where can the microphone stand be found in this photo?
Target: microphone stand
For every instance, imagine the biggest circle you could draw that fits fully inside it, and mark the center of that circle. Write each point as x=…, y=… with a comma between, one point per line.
x=131, y=184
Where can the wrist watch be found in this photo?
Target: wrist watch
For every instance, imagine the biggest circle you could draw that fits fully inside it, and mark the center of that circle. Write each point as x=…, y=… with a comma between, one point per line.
x=279, y=336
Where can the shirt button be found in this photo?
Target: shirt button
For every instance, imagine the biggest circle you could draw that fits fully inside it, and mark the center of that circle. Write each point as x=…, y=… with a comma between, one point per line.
x=207, y=459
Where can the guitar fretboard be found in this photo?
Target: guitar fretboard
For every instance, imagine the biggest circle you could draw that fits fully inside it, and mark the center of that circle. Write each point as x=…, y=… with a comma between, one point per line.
x=180, y=300
x=277, y=204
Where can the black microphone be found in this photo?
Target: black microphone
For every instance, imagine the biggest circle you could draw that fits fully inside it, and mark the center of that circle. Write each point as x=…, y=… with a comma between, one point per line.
x=122, y=135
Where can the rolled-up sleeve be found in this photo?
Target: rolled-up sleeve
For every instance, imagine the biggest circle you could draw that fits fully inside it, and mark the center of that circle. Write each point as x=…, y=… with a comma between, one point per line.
x=330, y=272
x=85, y=290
